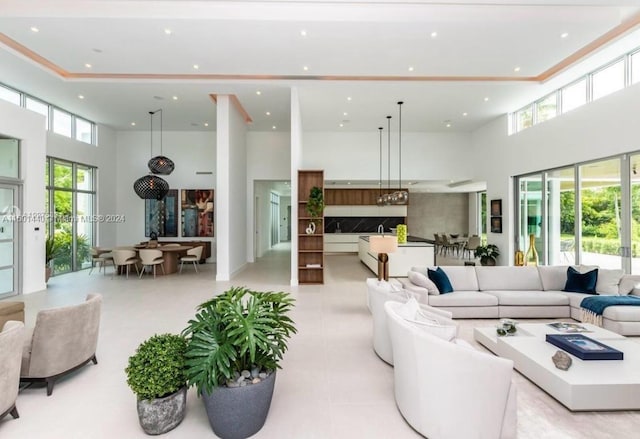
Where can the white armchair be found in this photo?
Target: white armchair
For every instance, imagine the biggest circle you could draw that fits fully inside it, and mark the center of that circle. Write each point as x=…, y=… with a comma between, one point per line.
x=379, y=292
x=447, y=390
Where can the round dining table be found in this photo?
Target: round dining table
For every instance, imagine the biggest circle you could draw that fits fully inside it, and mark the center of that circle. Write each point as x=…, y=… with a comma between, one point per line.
x=170, y=254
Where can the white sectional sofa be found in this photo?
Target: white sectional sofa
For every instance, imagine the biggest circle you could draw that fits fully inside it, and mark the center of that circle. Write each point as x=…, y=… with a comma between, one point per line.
x=524, y=292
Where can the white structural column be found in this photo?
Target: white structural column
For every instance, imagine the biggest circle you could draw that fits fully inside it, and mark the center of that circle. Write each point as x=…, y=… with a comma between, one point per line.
x=231, y=191
x=296, y=161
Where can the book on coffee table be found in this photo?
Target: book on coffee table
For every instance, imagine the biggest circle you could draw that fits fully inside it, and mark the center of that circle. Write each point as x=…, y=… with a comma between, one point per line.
x=569, y=328
x=584, y=347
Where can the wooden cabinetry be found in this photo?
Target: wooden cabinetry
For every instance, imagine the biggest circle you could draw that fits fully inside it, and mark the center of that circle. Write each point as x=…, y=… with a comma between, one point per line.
x=310, y=246
x=352, y=197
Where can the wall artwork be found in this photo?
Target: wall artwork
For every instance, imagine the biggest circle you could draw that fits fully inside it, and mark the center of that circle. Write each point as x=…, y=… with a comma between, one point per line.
x=161, y=216
x=496, y=224
x=496, y=207
x=197, y=212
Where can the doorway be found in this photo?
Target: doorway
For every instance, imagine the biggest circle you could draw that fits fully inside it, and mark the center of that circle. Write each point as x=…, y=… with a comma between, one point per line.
x=9, y=237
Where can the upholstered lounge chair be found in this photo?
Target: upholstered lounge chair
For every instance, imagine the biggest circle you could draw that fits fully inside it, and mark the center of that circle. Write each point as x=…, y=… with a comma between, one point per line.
x=449, y=390
x=11, y=339
x=63, y=340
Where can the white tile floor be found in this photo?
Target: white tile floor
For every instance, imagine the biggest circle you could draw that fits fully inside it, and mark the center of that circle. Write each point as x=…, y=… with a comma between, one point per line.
x=332, y=384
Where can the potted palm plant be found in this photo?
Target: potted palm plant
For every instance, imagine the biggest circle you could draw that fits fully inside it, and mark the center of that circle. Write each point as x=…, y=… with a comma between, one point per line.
x=156, y=374
x=487, y=254
x=52, y=248
x=235, y=343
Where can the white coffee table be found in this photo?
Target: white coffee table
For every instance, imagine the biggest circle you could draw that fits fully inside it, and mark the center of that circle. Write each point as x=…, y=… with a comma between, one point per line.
x=587, y=385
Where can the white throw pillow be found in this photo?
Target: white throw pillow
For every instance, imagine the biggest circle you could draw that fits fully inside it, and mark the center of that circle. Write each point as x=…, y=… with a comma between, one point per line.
x=628, y=284
x=608, y=281
x=411, y=312
x=423, y=281
x=409, y=309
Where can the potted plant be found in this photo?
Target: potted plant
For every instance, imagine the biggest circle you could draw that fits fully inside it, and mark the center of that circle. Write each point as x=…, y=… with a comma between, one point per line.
x=487, y=254
x=156, y=374
x=52, y=248
x=235, y=343
x=315, y=206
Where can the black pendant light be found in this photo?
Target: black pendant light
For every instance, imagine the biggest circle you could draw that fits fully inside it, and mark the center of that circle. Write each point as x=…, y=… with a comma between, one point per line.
x=400, y=196
x=159, y=164
x=151, y=187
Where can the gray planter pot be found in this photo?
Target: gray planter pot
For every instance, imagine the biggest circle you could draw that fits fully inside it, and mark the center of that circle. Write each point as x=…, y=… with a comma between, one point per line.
x=157, y=416
x=239, y=412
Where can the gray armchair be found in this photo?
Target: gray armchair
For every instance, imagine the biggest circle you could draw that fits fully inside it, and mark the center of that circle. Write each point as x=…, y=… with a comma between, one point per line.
x=63, y=340
x=11, y=339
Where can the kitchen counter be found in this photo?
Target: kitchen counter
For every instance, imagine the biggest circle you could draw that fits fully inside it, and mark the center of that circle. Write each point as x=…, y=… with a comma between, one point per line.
x=416, y=252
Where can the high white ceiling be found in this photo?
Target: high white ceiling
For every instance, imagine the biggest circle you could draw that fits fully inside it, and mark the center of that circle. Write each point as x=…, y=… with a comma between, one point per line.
x=352, y=49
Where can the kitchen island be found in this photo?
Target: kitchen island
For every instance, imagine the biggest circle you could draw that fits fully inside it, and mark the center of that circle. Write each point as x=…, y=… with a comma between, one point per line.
x=416, y=252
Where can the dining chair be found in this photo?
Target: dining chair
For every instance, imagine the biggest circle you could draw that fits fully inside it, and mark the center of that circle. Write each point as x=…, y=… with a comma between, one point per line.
x=123, y=258
x=472, y=244
x=151, y=258
x=101, y=258
x=193, y=255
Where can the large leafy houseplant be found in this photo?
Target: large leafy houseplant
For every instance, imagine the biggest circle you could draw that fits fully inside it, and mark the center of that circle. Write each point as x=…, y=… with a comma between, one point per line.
x=156, y=374
x=487, y=254
x=235, y=331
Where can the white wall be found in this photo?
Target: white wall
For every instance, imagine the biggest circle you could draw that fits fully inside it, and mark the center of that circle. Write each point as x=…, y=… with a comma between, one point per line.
x=104, y=156
x=191, y=151
x=296, y=164
x=605, y=127
x=29, y=127
x=356, y=156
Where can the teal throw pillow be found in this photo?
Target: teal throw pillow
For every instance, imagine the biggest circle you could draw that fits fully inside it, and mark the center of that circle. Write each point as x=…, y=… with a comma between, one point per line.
x=581, y=282
x=440, y=278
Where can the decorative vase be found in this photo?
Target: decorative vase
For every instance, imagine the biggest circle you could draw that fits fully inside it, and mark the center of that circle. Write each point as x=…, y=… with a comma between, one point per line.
x=487, y=261
x=311, y=228
x=239, y=412
x=531, y=257
x=518, y=259
x=401, y=232
x=160, y=415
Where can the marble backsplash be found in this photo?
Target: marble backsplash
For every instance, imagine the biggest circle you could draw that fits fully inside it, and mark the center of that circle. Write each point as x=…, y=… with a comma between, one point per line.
x=354, y=224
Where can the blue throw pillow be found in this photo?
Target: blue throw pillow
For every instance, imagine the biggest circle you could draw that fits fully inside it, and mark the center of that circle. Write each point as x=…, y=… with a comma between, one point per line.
x=440, y=278
x=581, y=282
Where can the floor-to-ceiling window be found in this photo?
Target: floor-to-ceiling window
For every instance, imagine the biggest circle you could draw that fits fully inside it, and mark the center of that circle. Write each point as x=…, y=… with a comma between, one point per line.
x=10, y=206
x=70, y=206
x=482, y=215
x=591, y=213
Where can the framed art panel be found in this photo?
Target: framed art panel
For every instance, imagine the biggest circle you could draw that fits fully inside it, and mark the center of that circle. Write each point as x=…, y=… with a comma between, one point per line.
x=197, y=212
x=496, y=207
x=496, y=224
x=161, y=216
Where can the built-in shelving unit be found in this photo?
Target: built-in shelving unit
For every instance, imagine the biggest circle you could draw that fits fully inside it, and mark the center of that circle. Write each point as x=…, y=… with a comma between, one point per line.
x=310, y=246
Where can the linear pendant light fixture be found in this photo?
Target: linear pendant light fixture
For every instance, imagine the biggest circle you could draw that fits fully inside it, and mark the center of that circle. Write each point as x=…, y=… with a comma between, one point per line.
x=400, y=196
x=380, y=199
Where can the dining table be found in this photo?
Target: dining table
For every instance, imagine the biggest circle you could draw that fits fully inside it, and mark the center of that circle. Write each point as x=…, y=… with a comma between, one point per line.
x=170, y=254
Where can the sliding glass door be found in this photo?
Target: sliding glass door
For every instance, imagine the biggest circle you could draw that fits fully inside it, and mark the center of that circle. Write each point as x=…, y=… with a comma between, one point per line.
x=561, y=213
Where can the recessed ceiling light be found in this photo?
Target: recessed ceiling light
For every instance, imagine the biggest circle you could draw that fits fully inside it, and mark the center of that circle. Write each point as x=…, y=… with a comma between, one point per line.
x=411, y=68
x=516, y=69
x=345, y=114
x=486, y=99
x=206, y=124
x=80, y=96
x=175, y=98
x=87, y=65
x=564, y=34
x=268, y=113
x=348, y=182
x=434, y=34
x=133, y=124
x=349, y=98
x=305, y=68
x=168, y=31
x=273, y=127
x=341, y=125
x=34, y=29
x=258, y=92
x=196, y=66
x=303, y=33
x=448, y=125
x=465, y=114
